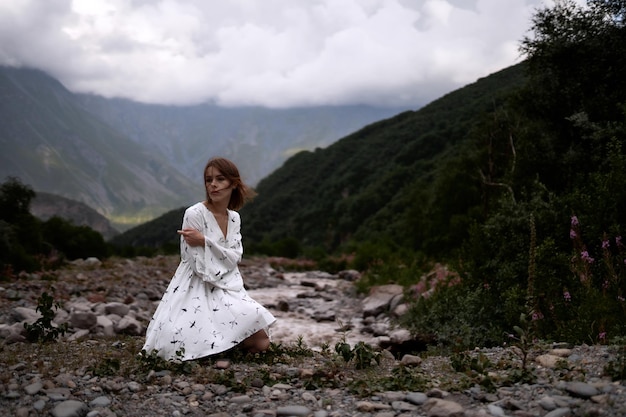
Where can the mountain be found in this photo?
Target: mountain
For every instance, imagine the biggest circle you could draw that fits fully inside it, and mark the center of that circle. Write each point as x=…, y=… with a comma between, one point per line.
x=132, y=162
x=51, y=143
x=45, y=205
x=362, y=186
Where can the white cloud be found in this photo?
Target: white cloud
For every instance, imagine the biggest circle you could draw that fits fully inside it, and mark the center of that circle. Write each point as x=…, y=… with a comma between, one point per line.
x=277, y=53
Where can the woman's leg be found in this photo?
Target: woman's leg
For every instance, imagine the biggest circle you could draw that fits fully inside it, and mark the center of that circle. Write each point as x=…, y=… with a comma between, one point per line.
x=258, y=342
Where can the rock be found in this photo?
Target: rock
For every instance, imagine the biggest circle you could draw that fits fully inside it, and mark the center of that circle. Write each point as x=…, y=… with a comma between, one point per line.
x=416, y=398
x=119, y=309
x=379, y=299
x=33, y=388
x=549, y=361
x=349, y=275
x=411, y=360
x=70, y=408
x=293, y=410
x=23, y=314
x=559, y=412
x=129, y=325
x=436, y=407
x=581, y=389
x=83, y=320
x=101, y=401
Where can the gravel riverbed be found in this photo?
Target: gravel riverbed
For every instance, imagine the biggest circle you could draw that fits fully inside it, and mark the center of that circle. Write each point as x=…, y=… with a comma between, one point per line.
x=97, y=375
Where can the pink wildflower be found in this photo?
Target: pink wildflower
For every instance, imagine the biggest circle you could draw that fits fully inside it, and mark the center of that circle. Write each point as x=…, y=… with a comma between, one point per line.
x=605, y=244
x=572, y=234
x=602, y=336
x=584, y=255
x=574, y=221
x=567, y=296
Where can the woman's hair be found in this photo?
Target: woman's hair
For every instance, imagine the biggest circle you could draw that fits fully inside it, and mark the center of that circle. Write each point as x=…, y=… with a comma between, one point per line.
x=241, y=192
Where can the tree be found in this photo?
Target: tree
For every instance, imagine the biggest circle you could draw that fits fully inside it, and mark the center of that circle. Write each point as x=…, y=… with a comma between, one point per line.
x=19, y=230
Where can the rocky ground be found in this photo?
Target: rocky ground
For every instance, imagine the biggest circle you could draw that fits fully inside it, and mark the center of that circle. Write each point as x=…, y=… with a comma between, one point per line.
x=96, y=368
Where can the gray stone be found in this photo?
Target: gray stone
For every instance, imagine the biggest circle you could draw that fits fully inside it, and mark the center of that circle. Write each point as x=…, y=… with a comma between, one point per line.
x=20, y=314
x=411, y=360
x=402, y=406
x=559, y=412
x=70, y=408
x=241, y=399
x=39, y=405
x=134, y=386
x=33, y=388
x=80, y=334
x=379, y=298
x=581, y=389
x=101, y=401
x=107, y=325
x=293, y=410
x=496, y=411
x=437, y=407
x=129, y=325
x=83, y=319
x=547, y=403
x=417, y=398
x=119, y=309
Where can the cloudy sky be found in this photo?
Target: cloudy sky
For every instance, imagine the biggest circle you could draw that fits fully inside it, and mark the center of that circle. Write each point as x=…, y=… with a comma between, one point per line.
x=275, y=53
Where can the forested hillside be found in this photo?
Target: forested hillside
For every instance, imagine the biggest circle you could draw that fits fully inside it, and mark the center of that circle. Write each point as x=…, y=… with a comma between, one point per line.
x=370, y=185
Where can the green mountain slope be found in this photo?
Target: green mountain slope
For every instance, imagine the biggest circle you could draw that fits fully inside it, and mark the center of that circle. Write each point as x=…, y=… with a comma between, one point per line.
x=365, y=185
x=51, y=143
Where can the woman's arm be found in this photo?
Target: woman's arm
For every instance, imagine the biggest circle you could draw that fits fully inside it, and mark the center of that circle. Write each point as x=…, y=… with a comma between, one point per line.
x=210, y=259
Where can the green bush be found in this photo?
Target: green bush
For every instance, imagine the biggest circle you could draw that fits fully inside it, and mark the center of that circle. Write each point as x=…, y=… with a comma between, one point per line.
x=74, y=241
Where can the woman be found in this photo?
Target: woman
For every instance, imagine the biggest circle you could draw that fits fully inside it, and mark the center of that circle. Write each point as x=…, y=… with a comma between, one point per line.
x=205, y=309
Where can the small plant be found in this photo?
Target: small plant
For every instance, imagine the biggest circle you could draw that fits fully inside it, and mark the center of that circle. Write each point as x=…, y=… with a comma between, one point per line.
x=475, y=367
x=300, y=348
x=362, y=354
x=43, y=330
x=523, y=344
x=616, y=368
x=152, y=361
x=108, y=367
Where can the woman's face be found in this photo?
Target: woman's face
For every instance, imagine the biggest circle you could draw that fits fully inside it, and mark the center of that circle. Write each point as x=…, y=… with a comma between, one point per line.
x=218, y=187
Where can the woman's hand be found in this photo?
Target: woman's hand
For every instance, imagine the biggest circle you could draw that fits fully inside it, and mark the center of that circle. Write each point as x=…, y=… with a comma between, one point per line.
x=193, y=237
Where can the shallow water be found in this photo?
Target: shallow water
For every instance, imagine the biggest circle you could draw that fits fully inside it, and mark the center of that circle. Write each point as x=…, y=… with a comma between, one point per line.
x=299, y=321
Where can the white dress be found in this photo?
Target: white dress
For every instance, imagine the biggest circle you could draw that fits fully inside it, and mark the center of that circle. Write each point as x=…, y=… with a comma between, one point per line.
x=206, y=309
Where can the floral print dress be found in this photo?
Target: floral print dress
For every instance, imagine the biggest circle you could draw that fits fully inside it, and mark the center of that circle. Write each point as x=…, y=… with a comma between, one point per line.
x=206, y=309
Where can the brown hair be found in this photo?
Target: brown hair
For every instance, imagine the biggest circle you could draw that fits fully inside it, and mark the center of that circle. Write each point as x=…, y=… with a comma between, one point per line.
x=241, y=192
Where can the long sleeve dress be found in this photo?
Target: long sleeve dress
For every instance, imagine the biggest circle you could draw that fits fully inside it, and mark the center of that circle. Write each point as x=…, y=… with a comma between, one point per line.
x=206, y=309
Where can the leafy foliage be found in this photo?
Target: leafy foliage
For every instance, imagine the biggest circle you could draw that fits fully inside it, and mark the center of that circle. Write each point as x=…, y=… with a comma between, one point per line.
x=73, y=241
x=27, y=244
x=42, y=330
x=362, y=354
